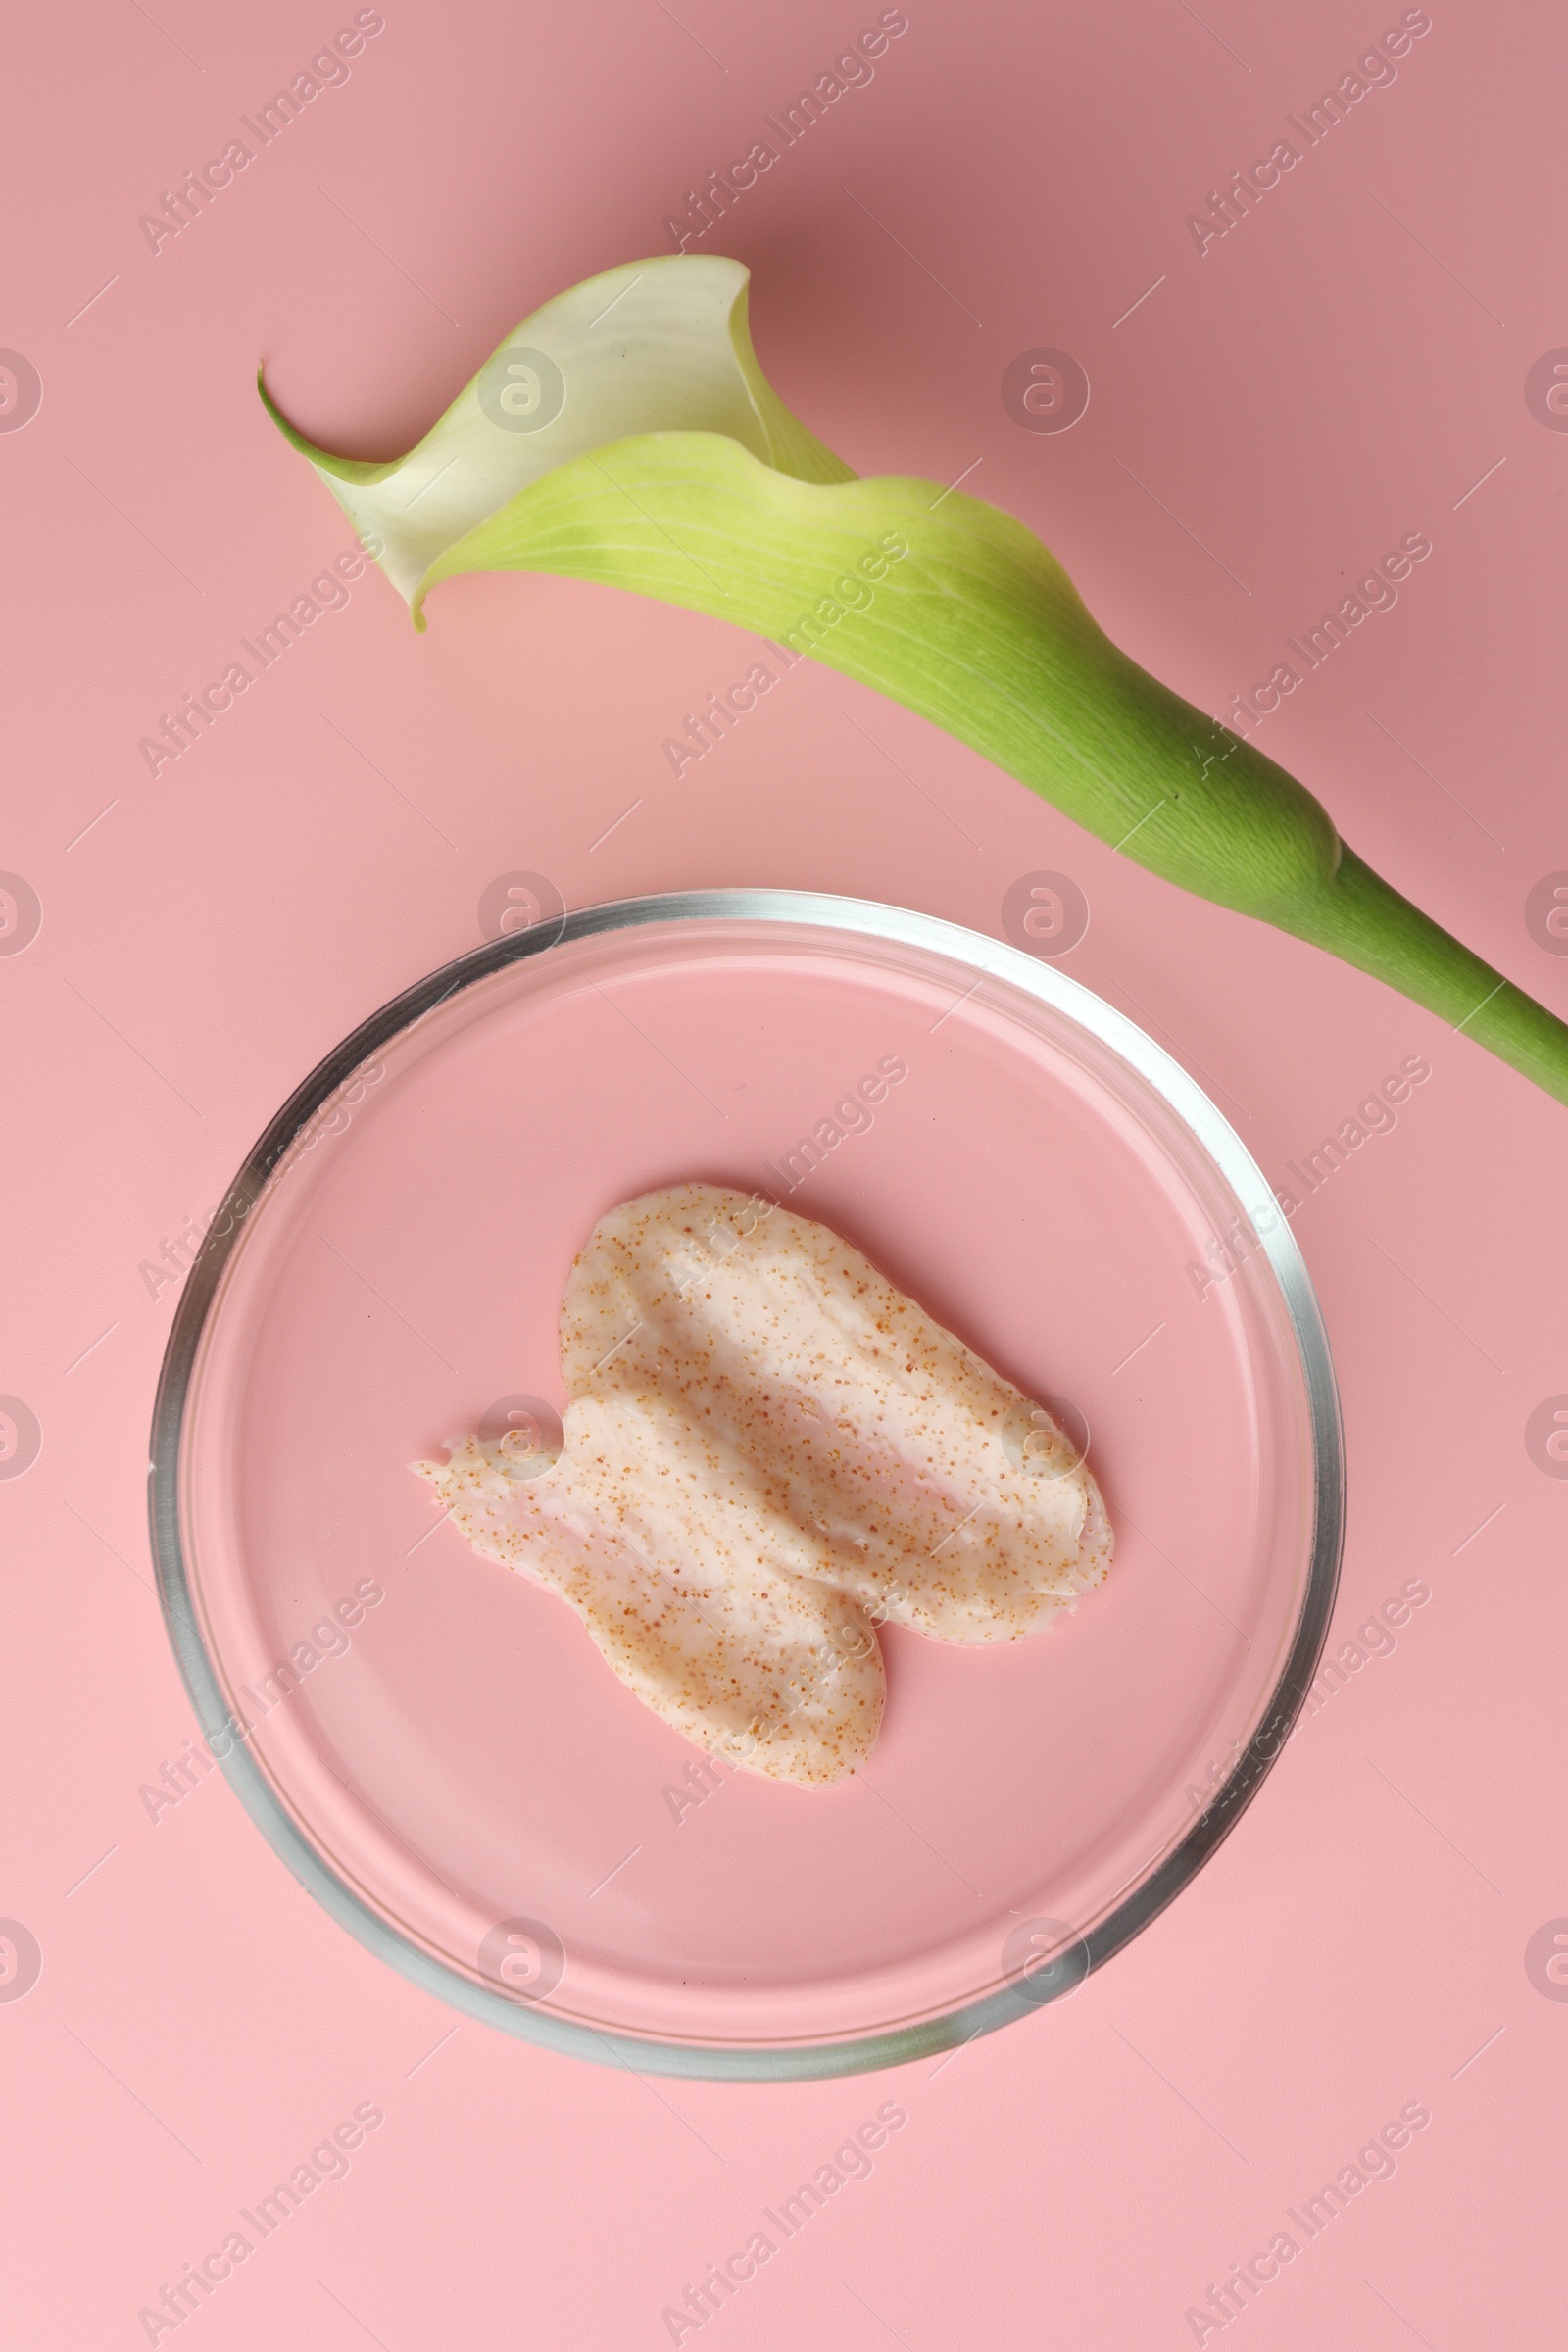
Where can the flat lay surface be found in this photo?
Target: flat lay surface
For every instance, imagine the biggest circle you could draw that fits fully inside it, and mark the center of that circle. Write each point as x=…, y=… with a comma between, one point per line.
x=1343, y=2041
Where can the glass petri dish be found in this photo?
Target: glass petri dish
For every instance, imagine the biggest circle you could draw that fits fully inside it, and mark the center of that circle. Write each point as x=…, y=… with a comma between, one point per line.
x=434, y=1745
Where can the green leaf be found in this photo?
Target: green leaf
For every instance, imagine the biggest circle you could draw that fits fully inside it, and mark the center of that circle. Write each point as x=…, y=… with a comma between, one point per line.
x=627, y=435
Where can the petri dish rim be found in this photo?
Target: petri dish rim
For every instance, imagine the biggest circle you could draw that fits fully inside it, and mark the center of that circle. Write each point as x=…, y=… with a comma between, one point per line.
x=1275, y=1247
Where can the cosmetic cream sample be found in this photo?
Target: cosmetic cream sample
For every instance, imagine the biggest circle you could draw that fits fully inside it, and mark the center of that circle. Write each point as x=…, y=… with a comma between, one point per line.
x=769, y=1449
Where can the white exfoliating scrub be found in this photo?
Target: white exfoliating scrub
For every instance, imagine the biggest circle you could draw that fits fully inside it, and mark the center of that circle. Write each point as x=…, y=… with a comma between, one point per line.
x=770, y=1449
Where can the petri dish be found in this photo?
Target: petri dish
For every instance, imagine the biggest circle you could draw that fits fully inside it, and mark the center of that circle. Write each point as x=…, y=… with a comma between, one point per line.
x=434, y=1745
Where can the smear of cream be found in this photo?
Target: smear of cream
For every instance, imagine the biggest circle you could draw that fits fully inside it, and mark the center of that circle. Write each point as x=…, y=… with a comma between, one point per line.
x=768, y=1450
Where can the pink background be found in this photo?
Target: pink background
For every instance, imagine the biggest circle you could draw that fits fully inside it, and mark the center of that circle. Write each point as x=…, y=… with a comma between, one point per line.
x=1341, y=371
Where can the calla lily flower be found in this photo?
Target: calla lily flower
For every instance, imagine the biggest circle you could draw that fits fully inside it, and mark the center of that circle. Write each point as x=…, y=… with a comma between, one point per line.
x=625, y=433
